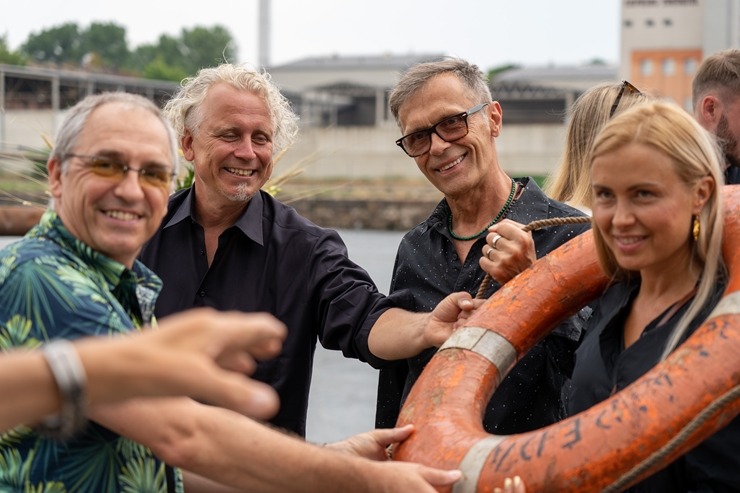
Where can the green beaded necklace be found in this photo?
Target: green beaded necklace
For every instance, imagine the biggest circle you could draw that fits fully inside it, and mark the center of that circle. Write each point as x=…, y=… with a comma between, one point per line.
x=496, y=219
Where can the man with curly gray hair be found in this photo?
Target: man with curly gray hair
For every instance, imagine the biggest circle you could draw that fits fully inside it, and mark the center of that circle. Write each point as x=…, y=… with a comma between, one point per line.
x=227, y=244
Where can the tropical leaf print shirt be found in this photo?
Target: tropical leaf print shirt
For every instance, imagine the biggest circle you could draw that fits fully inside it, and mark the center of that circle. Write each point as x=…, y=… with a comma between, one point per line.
x=54, y=286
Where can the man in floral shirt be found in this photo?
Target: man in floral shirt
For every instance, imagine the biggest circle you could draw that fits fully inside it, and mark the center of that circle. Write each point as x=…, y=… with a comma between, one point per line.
x=75, y=275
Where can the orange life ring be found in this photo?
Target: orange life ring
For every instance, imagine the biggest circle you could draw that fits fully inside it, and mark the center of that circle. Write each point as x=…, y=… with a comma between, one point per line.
x=610, y=446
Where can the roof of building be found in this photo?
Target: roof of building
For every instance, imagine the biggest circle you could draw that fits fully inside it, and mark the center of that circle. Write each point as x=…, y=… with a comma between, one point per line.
x=386, y=61
x=568, y=77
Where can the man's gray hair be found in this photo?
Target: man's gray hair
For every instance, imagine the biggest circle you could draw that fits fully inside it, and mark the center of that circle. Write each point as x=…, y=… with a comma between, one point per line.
x=76, y=118
x=416, y=77
x=183, y=109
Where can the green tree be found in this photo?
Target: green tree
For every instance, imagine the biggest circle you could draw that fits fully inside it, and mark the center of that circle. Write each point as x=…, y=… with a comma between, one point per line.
x=106, y=43
x=208, y=47
x=103, y=45
x=185, y=54
x=166, y=60
x=8, y=56
x=160, y=70
x=59, y=45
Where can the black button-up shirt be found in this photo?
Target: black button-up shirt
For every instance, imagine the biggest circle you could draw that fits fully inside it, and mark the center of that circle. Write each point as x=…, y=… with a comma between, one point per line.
x=427, y=269
x=603, y=366
x=272, y=260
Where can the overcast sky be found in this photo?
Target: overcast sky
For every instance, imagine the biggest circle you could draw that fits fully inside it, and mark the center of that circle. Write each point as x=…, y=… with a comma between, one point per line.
x=486, y=32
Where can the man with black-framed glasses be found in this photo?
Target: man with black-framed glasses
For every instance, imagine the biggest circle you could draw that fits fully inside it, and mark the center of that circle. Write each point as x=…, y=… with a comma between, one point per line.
x=449, y=126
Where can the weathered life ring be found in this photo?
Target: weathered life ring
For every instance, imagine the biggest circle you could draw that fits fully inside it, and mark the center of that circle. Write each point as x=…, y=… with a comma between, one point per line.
x=608, y=447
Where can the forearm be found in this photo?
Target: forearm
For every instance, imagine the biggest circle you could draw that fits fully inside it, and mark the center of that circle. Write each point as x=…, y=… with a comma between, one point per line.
x=398, y=334
x=272, y=462
x=27, y=378
x=231, y=449
x=199, y=484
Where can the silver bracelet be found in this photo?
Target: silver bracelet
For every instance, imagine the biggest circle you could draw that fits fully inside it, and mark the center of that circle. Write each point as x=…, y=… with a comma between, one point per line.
x=67, y=369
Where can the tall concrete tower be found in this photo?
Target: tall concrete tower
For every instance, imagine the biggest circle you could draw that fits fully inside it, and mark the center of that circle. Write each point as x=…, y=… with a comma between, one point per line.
x=265, y=33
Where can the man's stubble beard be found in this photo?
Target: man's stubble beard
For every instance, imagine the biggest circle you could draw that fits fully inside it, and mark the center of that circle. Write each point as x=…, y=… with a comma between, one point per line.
x=241, y=195
x=728, y=143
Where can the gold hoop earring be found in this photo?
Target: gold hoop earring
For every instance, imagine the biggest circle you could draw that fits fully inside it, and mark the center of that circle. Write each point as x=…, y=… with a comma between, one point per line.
x=697, y=228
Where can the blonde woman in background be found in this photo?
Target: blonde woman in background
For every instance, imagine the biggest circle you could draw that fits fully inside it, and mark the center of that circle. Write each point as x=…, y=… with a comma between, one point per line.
x=570, y=182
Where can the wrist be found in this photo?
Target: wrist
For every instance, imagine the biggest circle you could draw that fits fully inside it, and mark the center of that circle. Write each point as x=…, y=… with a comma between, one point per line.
x=70, y=378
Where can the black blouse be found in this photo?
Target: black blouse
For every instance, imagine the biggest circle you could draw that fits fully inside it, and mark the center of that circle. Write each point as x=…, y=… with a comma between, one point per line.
x=604, y=365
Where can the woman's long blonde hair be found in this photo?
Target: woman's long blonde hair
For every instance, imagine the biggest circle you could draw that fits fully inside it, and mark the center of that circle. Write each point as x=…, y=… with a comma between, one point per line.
x=571, y=181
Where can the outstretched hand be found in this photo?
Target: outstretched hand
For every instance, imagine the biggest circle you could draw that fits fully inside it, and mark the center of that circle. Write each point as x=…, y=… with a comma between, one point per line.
x=373, y=444
x=394, y=476
x=201, y=353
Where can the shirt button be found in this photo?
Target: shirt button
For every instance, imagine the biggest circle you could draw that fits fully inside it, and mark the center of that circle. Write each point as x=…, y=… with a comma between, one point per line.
x=202, y=294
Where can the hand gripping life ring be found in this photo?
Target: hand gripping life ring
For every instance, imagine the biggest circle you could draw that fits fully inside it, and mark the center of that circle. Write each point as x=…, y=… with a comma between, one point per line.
x=672, y=408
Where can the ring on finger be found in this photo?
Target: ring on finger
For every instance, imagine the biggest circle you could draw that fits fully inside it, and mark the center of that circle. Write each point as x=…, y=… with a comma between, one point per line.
x=488, y=253
x=495, y=240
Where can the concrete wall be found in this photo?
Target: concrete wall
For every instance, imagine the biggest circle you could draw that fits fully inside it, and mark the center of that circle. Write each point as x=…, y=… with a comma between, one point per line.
x=343, y=152
x=364, y=153
x=19, y=129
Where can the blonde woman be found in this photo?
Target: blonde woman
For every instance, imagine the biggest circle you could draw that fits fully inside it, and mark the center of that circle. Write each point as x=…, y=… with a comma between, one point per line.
x=657, y=222
x=657, y=218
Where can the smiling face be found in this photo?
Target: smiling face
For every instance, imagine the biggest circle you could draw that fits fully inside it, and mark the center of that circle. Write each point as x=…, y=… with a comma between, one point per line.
x=114, y=217
x=232, y=147
x=643, y=209
x=454, y=168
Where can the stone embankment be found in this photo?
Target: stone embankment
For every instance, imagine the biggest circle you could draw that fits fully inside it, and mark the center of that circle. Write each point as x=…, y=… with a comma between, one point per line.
x=397, y=205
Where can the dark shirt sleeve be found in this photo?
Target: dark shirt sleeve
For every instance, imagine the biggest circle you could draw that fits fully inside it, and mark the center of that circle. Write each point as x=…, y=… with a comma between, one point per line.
x=347, y=300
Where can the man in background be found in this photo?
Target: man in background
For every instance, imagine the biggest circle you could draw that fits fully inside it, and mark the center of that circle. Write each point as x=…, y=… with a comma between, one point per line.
x=716, y=99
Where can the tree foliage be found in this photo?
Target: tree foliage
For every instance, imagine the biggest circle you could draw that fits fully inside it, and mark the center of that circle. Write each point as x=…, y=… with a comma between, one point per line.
x=103, y=46
x=108, y=42
x=57, y=45
x=185, y=54
x=8, y=56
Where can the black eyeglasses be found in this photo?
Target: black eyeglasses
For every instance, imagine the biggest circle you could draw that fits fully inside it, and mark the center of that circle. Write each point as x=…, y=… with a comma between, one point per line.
x=108, y=167
x=626, y=87
x=450, y=129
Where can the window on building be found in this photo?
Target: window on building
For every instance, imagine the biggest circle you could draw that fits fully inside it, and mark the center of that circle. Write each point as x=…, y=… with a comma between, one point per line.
x=649, y=22
x=689, y=66
x=669, y=66
x=627, y=23
x=646, y=67
x=667, y=22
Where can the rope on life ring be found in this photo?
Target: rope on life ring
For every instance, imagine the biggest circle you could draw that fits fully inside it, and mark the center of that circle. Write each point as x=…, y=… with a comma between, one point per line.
x=672, y=408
